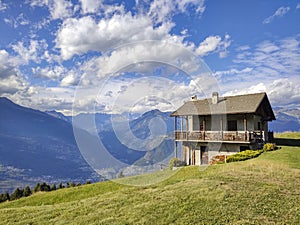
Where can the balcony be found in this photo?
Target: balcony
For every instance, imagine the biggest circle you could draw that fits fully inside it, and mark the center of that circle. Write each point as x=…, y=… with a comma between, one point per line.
x=219, y=136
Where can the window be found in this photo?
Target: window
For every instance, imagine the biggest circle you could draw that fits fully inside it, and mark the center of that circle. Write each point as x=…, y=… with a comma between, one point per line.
x=232, y=125
x=258, y=126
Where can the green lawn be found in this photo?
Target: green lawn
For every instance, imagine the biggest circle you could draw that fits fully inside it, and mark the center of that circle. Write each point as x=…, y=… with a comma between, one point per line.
x=289, y=135
x=264, y=190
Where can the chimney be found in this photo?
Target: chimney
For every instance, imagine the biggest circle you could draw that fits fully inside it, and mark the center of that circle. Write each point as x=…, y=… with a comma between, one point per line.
x=194, y=97
x=215, y=97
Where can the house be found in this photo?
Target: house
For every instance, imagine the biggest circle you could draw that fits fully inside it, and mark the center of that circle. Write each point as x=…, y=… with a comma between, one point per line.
x=218, y=125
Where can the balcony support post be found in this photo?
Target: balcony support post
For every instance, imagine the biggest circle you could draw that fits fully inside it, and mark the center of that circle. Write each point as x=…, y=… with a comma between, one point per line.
x=175, y=142
x=204, y=128
x=245, y=126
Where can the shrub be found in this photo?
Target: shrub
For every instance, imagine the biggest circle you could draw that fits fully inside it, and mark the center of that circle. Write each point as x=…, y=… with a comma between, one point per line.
x=241, y=156
x=175, y=162
x=269, y=147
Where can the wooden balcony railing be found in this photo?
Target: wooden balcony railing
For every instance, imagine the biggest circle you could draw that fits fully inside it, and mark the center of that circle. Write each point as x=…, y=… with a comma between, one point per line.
x=235, y=136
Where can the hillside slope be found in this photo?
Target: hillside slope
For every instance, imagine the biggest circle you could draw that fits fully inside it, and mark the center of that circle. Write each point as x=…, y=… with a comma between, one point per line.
x=36, y=147
x=258, y=191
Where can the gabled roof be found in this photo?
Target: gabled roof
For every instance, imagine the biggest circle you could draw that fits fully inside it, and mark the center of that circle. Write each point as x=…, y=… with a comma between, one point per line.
x=240, y=104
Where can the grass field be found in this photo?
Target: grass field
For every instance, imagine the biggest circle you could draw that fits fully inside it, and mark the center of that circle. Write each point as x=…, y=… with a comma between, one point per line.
x=264, y=190
x=289, y=135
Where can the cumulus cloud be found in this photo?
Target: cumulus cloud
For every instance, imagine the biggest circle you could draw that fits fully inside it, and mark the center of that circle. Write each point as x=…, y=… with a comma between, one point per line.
x=60, y=9
x=162, y=10
x=10, y=79
x=282, y=92
x=266, y=68
x=279, y=13
x=155, y=68
x=214, y=43
x=53, y=73
x=78, y=36
x=31, y=51
x=91, y=6
x=69, y=80
x=37, y=3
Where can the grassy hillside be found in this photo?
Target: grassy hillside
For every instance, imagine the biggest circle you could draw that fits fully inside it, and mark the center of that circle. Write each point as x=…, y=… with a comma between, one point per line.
x=289, y=135
x=287, y=138
x=258, y=191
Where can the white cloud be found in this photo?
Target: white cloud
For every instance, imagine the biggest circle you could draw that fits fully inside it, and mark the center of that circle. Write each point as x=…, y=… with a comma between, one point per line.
x=107, y=77
x=298, y=6
x=282, y=56
x=214, y=43
x=3, y=6
x=285, y=92
x=10, y=79
x=31, y=52
x=281, y=92
x=279, y=13
x=78, y=36
x=162, y=10
x=91, y=6
x=53, y=73
x=273, y=67
x=39, y=3
x=60, y=9
x=69, y=80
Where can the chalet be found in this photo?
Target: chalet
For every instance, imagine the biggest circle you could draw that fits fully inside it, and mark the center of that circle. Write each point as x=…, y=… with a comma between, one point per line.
x=221, y=126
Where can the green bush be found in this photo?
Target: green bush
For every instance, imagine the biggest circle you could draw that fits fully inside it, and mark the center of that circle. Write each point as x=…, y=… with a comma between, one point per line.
x=175, y=162
x=244, y=155
x=269, y=147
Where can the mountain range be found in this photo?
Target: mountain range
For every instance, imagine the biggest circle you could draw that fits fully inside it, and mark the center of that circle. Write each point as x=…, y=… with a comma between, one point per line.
x=40, y=146
x=36, y=147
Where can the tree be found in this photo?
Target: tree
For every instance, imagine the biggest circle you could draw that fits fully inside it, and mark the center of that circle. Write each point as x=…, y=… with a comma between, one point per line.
x=53, y=187
x=121, y=174
x=88, y=182
x=18, y=193
x=4, y=197
x=37, y=187
x=72, y=184
x=60, y=186
x=27, y=191
x=45, y=187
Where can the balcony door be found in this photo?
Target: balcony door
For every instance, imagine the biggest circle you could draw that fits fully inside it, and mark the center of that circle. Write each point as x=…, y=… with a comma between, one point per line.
x=204, y=155
x=232, y=125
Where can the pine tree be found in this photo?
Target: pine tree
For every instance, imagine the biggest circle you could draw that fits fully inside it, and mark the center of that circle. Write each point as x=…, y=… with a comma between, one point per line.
x=53, y=187
x=72, y=184
x=37, y=187
x=45, y=187
x=61, y=185
x=18, y=193
x=4, y=197
x=27, y=191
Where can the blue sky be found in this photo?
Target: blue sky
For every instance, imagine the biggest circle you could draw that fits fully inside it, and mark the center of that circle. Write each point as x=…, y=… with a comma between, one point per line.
x=117, y=56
